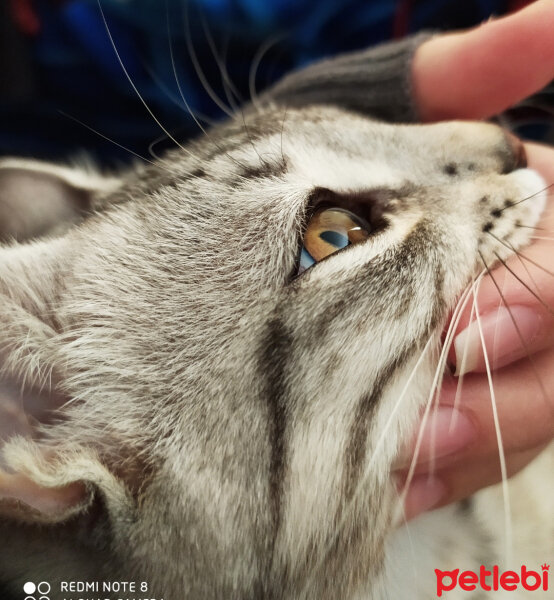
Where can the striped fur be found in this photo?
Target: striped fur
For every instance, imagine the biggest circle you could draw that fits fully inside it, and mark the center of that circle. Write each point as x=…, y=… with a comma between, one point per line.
x=234, y=426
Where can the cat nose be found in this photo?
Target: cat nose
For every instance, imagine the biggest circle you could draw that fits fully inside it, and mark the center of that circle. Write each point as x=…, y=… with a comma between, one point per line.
x=519, y=157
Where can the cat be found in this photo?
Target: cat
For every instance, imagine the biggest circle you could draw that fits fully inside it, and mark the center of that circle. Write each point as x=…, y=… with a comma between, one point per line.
x=222, y=351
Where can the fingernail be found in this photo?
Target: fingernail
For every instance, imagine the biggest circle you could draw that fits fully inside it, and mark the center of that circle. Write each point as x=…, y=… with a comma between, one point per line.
x=502, y=339
x=423, y=494
x=446, y=431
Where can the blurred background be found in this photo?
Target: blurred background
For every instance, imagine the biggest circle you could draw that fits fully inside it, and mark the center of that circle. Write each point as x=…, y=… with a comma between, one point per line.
x=63, y=64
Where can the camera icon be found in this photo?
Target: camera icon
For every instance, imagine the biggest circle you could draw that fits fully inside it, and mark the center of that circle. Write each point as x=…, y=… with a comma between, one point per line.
x=38, y=591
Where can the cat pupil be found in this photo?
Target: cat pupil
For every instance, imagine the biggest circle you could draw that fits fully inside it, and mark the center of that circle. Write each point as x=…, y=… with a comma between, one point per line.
x=335, y=238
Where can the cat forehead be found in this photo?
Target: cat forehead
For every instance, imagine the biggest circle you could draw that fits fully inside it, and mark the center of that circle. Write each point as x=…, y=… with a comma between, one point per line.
x=326, y=146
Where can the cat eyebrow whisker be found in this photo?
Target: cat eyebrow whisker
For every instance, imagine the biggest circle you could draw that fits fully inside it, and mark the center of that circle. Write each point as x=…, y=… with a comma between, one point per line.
x=281, y=134
x=501, y=453
x=108, y=139
x=145, y=104
x=210, y=91
x=175, y=75
x=152, y=145
x=198, y=69
x=256, y=61
x=174, y=99
x=520, y=335
x=231, y=92
x=177, y=81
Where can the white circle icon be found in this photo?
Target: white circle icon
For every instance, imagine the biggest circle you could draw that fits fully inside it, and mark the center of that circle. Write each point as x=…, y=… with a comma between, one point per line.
x=29, y=587
x=43, y=587
x=30, y=598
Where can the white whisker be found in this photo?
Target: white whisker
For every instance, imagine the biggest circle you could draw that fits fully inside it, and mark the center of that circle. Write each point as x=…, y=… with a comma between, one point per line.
x=198, y=69
x=460, y=385
x=452, y=326
x=231, y=92
x=135, y=87
x=262, y=50
x=433, y=390
x=501, y=454
x=106, y=137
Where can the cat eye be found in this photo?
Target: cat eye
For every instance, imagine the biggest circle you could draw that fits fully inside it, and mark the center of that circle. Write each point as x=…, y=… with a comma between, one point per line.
x=330, y=230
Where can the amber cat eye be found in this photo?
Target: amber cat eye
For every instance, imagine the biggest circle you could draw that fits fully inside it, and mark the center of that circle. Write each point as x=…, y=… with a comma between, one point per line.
x=328, y=231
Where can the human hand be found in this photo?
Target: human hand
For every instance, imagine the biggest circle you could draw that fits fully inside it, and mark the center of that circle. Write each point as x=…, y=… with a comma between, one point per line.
x=473, y=75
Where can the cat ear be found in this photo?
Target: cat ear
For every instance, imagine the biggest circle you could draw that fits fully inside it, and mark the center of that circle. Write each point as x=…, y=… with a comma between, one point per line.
x=39, y=198
x=38, y=484
x=20, y=493
x=45, y=486
x=23, y=498
x=374, y=82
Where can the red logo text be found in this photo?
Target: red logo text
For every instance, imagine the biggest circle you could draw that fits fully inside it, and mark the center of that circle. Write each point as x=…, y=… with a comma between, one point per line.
x=492, y=580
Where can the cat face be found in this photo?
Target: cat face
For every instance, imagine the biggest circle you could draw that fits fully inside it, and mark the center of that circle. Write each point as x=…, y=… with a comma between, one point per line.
x=233, y=411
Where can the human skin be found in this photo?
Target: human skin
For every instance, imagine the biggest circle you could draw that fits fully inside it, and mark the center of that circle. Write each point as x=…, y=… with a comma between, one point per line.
x=474, y=75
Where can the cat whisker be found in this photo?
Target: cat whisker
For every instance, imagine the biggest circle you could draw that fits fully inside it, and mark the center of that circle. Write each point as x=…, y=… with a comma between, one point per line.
x=542, y=237
x=177, y=81
x=281, y=134
x=176, y=101
x=198, y=69
x=215, y=98
x=530, y=227
x=463, y=363
x=145, y=104
x=439, y=372
x=548, y=308
x=501, y=453
x=152, y=145
x=526, y=269
x=261, y=52
x=507, y=245
x=231, y=92
x=519, y=334
x=449, y=338
x=175, y=75
x=105, y=137
x=526, y=198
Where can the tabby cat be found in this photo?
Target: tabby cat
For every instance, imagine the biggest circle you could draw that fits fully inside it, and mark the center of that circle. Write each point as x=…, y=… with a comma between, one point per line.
x=210, y=361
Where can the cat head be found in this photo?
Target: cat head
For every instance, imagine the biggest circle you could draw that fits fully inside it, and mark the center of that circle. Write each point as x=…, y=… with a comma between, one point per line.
x=224, y=350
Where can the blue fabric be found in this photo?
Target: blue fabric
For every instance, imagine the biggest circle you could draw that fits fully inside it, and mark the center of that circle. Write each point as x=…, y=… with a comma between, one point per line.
x=78, y=73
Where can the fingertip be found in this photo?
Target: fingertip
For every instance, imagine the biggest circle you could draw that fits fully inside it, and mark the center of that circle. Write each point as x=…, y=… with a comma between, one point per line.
x=480, y=72
x=424, y=493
